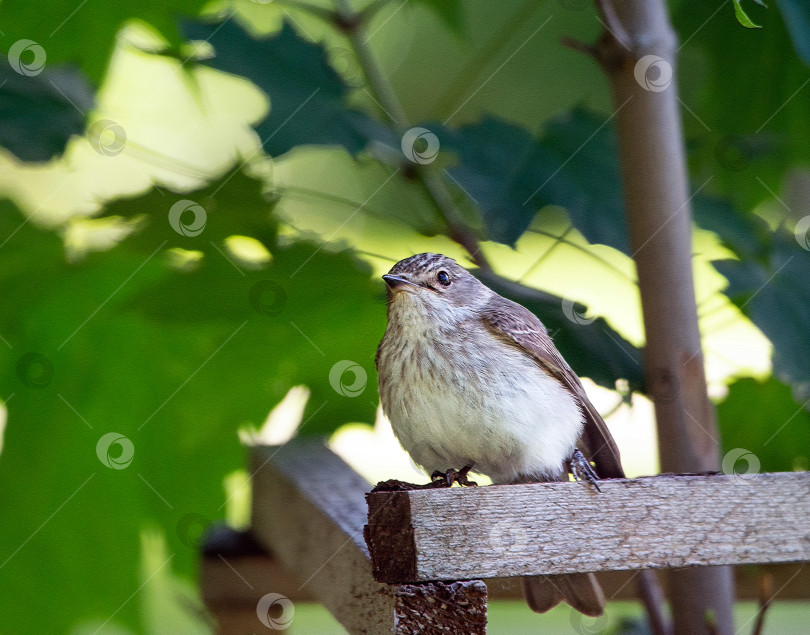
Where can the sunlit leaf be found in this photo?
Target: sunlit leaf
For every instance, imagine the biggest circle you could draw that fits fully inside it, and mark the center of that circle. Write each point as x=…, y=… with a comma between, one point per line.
x=774, y=294
x=511, y=175
x=307, y=97
x=742, y=16
x=743, y=232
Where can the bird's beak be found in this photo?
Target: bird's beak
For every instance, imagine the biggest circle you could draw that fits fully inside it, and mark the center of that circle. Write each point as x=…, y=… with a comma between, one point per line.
x=395, y=283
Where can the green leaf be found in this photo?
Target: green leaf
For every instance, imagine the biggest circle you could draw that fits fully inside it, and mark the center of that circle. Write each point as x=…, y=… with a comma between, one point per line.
x=746, y=124
x=574, y=165
x=745, y=233
x=173, y=360
x=279, y=301
x=591, y=347
x=797, y=20
x=773, y=293
x=40, y=112
x=84, y=33
x=306, y=94
x=742, y=17
x=763, y=418
x=511, y=175
x=449, y=11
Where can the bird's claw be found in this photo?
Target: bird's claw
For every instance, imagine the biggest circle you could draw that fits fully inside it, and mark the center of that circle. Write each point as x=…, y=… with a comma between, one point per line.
x=438, y=480
x=446, y=479
x=582, y=470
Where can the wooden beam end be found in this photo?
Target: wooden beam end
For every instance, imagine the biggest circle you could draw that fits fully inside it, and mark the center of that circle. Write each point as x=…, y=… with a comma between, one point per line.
x=389, y=535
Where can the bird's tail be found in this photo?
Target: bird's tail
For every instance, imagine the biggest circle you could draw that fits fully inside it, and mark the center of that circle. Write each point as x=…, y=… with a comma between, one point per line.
x=580, y=590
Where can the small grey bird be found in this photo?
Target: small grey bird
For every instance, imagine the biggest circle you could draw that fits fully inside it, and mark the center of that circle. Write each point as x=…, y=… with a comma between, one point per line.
x=472, y=380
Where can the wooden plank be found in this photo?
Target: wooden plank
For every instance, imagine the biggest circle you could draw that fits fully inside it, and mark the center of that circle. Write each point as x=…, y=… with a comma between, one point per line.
x=309, y=510
x=235, y=572
x=233, y=577
x=551, y=528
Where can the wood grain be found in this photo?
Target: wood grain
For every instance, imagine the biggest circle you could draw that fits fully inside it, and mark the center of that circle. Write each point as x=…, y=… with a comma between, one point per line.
x=550, y=528
x=309, y=510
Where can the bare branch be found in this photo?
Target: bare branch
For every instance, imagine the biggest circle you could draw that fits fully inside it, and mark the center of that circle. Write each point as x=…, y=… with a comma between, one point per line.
x=436, y=188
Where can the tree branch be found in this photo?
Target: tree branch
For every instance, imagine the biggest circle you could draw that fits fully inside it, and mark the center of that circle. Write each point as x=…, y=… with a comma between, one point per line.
x=637, y=52
x=353, y=24
x=765, y=599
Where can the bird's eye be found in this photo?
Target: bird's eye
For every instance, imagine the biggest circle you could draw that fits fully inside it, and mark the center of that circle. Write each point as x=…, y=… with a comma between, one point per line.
x=443, y=278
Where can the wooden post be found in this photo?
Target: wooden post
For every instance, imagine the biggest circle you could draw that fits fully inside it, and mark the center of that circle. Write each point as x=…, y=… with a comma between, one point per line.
x=309, y=511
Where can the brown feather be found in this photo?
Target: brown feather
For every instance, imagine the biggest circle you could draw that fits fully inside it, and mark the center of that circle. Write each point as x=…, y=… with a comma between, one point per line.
x=520, y=327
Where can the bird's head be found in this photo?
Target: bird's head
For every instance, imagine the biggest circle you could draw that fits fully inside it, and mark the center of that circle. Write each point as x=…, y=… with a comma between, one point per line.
x=434, y=286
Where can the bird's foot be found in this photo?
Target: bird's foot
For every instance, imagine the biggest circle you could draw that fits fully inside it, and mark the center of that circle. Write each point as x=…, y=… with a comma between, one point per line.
x=582, y=470
x=438, y=480
x=446, y=479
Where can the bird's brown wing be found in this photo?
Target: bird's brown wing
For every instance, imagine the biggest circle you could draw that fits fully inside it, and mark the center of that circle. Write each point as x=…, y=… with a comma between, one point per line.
x=520, y=327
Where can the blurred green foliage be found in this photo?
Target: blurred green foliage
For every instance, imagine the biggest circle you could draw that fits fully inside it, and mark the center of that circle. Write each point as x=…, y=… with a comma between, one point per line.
x=84, y=35
x=510, y=179
x=38, y=114
x=169, y=338
x=302, y=83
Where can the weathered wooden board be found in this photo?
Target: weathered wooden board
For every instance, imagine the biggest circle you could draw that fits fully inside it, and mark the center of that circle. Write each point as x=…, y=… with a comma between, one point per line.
x=309, y=510
x=550, y=528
